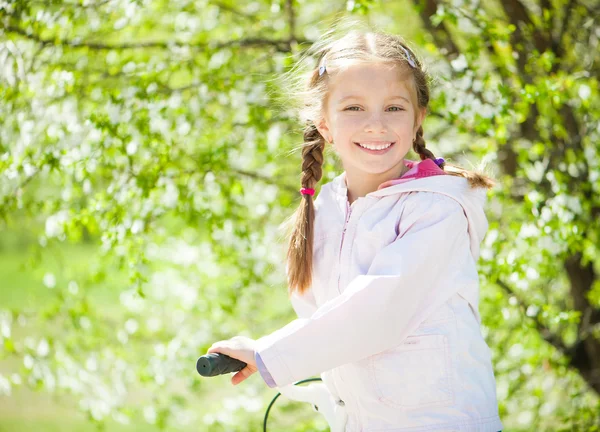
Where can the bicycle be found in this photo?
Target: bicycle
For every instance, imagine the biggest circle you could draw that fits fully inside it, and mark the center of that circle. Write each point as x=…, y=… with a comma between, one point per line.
x=317, y=395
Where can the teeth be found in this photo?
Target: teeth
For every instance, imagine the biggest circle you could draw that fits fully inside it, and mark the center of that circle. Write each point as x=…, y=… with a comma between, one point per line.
x=375, y=147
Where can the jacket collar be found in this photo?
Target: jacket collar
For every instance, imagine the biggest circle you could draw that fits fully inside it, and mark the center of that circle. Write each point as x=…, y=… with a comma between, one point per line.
x=428, y=179
x=417, y=170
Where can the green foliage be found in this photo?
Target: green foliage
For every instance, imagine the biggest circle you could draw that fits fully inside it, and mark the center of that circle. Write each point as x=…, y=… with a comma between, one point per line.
x=144, y=175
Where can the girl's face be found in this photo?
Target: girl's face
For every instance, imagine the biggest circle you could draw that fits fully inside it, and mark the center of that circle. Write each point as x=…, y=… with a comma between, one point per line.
x=370, y=105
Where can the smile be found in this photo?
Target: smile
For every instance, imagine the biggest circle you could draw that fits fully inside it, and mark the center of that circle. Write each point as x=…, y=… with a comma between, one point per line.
x=375, y=148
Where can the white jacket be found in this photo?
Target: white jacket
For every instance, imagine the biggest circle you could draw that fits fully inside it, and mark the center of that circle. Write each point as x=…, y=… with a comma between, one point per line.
x=391, y=322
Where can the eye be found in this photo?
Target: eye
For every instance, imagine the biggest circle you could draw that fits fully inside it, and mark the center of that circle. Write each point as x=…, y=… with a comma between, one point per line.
x=392, y=108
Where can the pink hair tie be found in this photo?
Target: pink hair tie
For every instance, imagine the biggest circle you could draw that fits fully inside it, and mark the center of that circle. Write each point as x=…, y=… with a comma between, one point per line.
x=306, y=191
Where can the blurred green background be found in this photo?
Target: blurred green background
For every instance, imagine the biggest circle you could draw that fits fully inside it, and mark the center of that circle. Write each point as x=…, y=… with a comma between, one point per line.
x=146, y=166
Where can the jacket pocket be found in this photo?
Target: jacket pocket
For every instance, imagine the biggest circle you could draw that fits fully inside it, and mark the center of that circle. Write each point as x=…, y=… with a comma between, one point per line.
x=416, y=374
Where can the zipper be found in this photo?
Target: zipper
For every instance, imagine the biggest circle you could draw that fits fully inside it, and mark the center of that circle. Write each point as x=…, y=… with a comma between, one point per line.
x=348, y=212
x=341, y=382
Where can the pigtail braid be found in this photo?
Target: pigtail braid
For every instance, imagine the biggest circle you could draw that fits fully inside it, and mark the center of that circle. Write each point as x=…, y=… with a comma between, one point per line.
x=300, y=250
x=476, y=180
x=421, y=150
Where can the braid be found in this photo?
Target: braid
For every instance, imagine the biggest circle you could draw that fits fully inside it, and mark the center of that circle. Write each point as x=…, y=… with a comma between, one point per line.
x=300, y=250
x=419, y=147
x=312, y=157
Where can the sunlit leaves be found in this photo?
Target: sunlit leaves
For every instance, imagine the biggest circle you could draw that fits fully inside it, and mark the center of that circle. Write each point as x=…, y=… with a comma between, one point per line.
x=148, y=131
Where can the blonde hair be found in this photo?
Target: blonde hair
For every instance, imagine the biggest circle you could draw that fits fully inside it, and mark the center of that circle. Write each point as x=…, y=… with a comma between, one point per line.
x=337, y=52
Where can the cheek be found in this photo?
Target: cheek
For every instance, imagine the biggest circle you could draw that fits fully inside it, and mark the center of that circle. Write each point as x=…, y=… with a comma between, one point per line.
x=406, y=127
x=344, y=124
x=349, y=121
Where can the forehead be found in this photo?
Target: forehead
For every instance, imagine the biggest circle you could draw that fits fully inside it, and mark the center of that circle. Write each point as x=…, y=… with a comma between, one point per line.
x=369, y=80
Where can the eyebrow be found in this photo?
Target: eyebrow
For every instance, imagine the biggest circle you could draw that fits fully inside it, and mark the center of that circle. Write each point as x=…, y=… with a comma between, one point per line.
x=358, y=97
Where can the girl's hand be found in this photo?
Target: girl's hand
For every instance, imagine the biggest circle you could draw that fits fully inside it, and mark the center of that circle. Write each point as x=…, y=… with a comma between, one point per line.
x=241, y=348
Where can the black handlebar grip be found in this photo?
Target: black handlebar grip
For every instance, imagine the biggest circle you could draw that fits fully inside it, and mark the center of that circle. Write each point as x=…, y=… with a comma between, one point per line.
x=214, y=364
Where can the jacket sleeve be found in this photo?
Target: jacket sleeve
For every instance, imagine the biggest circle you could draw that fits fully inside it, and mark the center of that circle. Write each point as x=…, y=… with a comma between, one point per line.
x=262, y=369
x=304, y=305
x=407, y=281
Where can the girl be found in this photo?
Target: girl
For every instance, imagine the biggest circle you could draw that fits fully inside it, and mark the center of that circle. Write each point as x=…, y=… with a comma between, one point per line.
x=382, y=267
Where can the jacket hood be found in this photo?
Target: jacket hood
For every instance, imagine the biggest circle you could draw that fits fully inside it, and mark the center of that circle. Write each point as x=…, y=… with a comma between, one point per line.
x=426, y=176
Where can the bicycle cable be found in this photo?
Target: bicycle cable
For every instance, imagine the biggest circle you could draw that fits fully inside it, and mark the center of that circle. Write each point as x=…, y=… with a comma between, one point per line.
x=279, y=394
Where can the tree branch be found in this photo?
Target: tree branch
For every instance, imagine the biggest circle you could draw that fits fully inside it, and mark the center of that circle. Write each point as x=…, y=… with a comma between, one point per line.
x=264, y=179
x=518, y=15
x=557, y=44
x=444, y=38
x=289, y=7
x=71, y=4
x=280, y=45
x=543, y=330
x=441, y=35
x=582, y=278
x=584, y=354
x=232, y=9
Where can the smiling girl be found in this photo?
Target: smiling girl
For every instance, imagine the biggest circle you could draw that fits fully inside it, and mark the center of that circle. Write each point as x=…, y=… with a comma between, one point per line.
x=382, y=265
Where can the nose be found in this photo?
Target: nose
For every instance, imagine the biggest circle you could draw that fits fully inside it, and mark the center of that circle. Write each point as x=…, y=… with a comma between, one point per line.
x=375, y=124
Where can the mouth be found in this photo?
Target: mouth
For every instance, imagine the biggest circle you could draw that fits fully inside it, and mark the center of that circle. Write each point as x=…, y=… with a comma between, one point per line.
x=375, y=147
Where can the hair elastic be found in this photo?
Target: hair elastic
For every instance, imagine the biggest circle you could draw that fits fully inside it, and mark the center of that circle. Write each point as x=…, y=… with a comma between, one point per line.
x=439, y=161
x=307, y=191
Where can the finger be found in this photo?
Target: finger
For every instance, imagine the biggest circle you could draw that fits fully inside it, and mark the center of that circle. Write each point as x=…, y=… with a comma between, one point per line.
x=228, y=351
x=241, y=375
x=219, y=348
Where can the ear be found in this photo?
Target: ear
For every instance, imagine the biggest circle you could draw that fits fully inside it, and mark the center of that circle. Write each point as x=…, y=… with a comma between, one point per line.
x=420, y=118
x=323, y=128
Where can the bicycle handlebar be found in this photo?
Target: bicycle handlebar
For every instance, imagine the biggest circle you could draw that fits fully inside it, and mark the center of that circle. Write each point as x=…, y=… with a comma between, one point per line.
x=214, y=364
x=318, y=395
